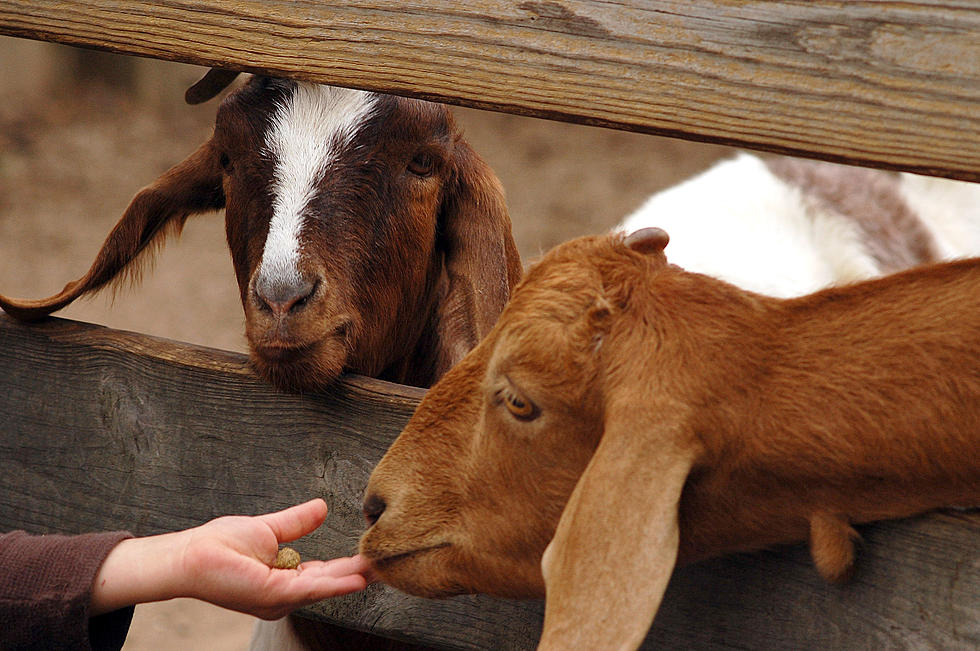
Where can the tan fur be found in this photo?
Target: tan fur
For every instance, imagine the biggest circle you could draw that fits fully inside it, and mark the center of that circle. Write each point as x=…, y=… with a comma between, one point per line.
x=832, y=545
x=675, y=411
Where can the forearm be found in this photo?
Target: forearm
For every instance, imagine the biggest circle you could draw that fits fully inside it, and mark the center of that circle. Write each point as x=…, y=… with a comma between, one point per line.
x=138, y=570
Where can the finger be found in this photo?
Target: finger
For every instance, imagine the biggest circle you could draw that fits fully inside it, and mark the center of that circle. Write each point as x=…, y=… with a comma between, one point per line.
x=296, y=590
x=336, y=586
x=299, y=592
x=296, y=521
x=345, y=585
x=337, y=567
x=363, y=567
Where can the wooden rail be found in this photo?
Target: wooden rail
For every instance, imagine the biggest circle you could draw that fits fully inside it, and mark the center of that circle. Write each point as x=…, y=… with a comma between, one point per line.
x=102, y=429
x=876, y=83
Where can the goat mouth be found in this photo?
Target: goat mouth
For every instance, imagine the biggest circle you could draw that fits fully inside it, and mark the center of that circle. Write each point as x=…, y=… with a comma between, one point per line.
x=283, y=354
x=276, y=350
x=392, y=559
x=424, y=572
x=293, y=367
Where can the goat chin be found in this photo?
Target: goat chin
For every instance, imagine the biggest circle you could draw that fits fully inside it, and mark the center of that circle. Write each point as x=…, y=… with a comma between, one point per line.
x=304, y=369
x=421, y=574
x=444, y=571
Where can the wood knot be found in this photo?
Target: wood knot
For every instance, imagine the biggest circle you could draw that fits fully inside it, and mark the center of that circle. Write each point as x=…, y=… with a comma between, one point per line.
x=555, y=17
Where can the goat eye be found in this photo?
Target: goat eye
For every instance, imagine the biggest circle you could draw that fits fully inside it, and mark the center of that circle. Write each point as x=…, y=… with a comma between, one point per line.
x=225, y=162
x=422, y=164
x=520, y=408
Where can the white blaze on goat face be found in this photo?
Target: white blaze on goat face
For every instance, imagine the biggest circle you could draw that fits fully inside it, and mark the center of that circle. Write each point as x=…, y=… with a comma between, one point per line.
x=309, y=128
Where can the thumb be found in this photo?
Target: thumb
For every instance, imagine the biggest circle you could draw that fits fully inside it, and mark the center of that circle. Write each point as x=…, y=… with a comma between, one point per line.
x=296, y=521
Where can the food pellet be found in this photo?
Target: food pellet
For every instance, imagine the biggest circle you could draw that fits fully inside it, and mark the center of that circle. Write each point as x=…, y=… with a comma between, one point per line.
x=286, y=559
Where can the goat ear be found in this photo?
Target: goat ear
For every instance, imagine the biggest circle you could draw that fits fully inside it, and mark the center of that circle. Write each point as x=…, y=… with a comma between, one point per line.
x=481, y=259
x=192, y=186
x=617, y=539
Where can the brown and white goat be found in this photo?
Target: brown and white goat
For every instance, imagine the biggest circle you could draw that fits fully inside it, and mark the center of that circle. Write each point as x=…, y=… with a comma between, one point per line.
x=625, y=415
x=366, y=234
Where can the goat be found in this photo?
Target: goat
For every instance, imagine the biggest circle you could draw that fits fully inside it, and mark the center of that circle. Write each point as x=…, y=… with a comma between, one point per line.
x=625, y=415
x=786, y=226
x=366, y=234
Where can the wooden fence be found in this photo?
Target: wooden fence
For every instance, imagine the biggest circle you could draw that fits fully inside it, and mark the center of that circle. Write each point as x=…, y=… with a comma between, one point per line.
x=890, y=84
x=101, y=429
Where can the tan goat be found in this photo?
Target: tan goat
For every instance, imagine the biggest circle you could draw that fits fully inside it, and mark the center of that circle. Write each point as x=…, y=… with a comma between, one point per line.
x=625, y=415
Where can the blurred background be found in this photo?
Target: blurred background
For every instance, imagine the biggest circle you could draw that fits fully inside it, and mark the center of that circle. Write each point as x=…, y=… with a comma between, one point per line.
x=82, y=131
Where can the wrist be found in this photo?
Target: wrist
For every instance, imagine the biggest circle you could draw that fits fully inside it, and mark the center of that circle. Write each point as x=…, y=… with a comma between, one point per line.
x=137, y=570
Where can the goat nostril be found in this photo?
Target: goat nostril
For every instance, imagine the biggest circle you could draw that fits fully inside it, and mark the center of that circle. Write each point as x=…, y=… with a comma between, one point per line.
x=304, y=294
x=374, y=506
x=281, y=297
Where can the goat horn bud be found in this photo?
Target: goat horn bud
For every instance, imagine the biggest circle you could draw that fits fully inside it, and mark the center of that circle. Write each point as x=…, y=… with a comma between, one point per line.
x=648, y=240
x=212, y=83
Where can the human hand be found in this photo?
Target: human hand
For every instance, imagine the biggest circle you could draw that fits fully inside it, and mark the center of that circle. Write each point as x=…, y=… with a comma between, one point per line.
x=227, y=562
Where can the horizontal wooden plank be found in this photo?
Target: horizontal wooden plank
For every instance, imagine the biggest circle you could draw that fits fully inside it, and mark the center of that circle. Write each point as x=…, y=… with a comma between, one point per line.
x=102, y=429
x=877, y=83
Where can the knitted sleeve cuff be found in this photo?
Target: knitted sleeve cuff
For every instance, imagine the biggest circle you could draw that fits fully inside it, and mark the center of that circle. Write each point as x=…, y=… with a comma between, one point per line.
x=46, y=590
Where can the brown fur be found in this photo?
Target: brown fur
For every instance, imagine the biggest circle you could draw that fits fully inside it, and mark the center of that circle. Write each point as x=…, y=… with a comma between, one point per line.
x=676, y=416
x=411, y=270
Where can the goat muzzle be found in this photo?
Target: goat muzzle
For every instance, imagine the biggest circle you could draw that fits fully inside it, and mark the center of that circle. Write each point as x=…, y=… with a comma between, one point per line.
x=283, y=298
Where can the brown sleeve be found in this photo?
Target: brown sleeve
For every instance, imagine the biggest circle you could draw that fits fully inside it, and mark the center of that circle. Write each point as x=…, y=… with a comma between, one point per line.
x=46, y=590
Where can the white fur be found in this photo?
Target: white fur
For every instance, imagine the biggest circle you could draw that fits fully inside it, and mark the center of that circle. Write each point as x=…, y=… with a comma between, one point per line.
x=951, y=210
x=305, y=133
x=277, y=635
x=739, y=222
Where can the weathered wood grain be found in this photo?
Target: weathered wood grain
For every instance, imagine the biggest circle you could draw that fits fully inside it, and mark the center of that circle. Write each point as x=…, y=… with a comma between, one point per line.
x=878, y=83
x=102, y=429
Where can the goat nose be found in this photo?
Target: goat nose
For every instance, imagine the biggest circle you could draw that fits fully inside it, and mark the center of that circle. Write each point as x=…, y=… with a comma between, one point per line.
x=374, y=506
x=283, y=296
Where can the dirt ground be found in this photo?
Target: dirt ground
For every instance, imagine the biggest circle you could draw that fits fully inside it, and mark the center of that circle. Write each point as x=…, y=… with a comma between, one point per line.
x=74, y=150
